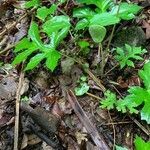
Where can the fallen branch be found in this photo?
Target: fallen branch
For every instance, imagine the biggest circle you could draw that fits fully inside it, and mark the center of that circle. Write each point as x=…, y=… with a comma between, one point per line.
x=91, y=129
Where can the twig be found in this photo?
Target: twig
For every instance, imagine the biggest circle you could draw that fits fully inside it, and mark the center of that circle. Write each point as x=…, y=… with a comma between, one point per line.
x=113, y=130
x=95, y=79
x=111, y=69
x=117, y=123
x=14, y=24
x=18, y=95
x=7, y=48
x=91, y=129
x=94, y=96
x=140, y=126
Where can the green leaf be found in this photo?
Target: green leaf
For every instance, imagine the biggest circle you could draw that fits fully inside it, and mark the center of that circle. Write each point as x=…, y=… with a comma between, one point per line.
x=120, y=148
x=32, y=3
x=52, y=59
x=140, y=96
x=110, y=100
x=79, y=91
x=140, y=144
x=55, y=24
x=126, y=11
x=24, y=44
x=33, y=33
x=43, y=12
x=61, y=1
x=130, y=63
x=104, y=19
x=127, y=54
x=35, y=61
x=102, y=4
x=22, y=56
x=145, y=75
x=82, y=24
x=97, y=33
x=83, y=44
x=84, y=12
x=34, y=43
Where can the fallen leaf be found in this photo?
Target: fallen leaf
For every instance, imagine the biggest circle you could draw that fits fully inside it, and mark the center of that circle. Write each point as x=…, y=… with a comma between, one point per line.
x=146, y=25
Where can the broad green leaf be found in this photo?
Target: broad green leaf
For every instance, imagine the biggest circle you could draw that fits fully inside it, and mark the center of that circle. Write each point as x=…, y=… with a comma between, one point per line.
x=82, y=24
x=33, y=33
x=140, y=144
x=145, y=75
x=57, y=28
x=104, y=19
x=56, y=24
x=97, y=33
x=126, y=11
x=120, y=148
x=79, y=91
x=140, y=96
x=32, y=3
x=52, y=59
x=102, y=4
x=35, y=61
x=24, y=44
x=22, y=56
x=84, y=12
x=43, y=12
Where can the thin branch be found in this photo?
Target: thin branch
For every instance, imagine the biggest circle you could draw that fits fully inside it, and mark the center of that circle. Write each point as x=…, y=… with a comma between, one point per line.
x=18, y=96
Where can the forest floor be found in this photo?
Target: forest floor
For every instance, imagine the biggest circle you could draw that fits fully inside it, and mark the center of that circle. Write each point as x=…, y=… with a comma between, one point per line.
x=41, y=110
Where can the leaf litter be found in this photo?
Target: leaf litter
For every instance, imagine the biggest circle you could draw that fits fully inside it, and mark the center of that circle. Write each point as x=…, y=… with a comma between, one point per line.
x=47, y=100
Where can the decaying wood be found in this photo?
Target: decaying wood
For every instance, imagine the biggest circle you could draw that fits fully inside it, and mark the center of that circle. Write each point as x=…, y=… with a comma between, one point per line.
x=43, y=118
x=91, y=129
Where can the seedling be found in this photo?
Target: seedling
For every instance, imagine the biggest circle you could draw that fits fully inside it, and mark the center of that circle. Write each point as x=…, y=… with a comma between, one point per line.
x=84, y=47
x=83, y=86
x=127, y=54
x=107, y=13
x=137, y=96
x=56, y=28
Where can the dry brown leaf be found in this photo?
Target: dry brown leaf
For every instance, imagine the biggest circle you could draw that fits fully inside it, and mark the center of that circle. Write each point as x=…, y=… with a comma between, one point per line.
x=146, y=25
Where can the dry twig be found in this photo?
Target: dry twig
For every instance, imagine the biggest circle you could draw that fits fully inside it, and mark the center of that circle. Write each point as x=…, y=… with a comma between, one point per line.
x=18, y=95
x=91, y=129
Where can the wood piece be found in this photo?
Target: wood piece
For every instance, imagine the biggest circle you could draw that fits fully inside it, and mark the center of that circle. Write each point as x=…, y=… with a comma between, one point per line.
x=43, y=118
x=91, y=129
x=18, y=96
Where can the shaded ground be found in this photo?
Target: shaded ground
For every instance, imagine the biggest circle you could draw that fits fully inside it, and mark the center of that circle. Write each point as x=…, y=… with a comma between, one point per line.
x=50, y=114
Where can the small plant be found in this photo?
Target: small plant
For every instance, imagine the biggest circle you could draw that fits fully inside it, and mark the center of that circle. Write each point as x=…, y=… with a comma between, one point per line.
x=84, y=47
x=136, y=97
x=56, y=29
x=127, y=54
x=140, y=144
x=83, y=86
x=107, y=13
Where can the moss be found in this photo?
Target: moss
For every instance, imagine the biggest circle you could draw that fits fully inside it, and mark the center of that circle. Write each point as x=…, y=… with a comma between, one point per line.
x=133, y=36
